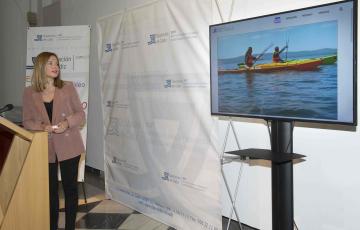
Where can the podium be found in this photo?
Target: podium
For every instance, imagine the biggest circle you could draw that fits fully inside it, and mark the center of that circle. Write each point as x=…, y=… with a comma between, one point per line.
x=24, y=183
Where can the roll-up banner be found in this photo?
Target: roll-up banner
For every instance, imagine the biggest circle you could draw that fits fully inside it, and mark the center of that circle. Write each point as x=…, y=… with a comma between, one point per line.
x=160, y=140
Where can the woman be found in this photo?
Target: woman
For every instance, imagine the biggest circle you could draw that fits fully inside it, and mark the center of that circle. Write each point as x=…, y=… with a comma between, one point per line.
x=53, y=105
x=249, y=58
x=276, y=55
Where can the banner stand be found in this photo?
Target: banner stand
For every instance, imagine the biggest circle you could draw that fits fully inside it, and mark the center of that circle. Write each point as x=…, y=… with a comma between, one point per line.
x=224, y=159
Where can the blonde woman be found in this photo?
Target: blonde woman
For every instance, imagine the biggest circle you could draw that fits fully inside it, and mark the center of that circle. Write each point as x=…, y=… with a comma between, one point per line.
x=53, y=105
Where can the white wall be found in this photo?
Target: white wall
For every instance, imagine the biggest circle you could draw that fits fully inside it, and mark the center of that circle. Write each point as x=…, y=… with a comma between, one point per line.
x=326, y=186
x=13, y=26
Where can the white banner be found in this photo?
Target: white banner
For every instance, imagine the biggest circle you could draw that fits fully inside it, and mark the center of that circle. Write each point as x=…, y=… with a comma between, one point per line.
x=160, y=140
x=72, y=45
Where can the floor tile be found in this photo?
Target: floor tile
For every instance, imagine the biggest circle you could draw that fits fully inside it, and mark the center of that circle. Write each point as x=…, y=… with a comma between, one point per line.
x=85, y=207
x=93, y=229
x=141, y=222
x=61, y=223
x=101, y=221
x=88, y=207
x=136, y=212
x=110, y=206
x=93, y=194
x=234, y=225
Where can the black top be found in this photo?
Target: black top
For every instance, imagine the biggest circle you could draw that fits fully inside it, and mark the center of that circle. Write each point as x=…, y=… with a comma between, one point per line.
x=49, y=108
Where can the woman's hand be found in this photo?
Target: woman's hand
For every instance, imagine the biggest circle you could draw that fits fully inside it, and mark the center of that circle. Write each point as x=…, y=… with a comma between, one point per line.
x=62, y=126
x=49, y=129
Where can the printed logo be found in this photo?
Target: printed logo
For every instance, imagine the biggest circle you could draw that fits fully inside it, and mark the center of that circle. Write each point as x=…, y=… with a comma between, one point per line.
x=172, y=36
x=167, y=84
x=158, y=38
x=166, y=176
x=39, y=37
x=179, y=180
x=117, y=45
x=109, y=104
x=184, y=84
x=114, y=127
x=108, y=48
x=277, y=19
x=116, y=104
x=45, y=37
x=172, y=178
x=115, y=160
x=125, y=164
x=66, y=63
x=152, y=39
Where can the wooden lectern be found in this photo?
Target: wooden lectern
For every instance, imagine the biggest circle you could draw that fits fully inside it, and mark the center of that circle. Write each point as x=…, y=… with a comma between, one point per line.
x=24, y=183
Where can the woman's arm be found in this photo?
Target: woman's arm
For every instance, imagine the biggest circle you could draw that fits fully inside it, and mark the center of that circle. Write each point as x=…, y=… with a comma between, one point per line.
x=78, y=117
x=31, y=119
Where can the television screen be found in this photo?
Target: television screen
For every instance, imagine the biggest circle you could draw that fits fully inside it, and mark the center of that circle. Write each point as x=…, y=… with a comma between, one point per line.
x=298, y=65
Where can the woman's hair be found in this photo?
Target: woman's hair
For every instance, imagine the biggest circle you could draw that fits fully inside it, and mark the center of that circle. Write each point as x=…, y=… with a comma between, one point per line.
x=249, y=50
x=39, y=78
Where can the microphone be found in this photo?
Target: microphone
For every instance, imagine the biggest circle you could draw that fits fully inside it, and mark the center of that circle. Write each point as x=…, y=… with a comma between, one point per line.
x=6, y=108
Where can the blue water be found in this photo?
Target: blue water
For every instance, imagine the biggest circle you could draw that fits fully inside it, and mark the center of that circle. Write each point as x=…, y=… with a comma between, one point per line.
x=300, y=94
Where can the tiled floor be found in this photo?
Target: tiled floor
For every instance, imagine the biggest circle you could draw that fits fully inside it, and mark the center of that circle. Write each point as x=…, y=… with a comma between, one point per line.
x=101, y=213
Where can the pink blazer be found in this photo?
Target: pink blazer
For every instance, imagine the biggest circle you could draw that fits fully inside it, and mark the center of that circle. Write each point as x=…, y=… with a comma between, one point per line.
x=66, y=105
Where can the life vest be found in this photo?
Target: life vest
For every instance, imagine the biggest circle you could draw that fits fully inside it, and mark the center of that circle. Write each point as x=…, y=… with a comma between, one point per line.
x=249, y=60
x=276, y=57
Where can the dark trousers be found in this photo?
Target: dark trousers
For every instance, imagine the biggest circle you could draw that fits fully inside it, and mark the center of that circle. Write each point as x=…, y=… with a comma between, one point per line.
x=69, y=173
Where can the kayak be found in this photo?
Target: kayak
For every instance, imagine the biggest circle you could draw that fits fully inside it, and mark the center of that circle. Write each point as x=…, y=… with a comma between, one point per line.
x=297, y=65
x=328, y=60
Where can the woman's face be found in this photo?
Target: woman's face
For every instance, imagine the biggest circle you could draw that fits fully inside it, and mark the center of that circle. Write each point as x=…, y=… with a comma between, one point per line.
x=52, y=67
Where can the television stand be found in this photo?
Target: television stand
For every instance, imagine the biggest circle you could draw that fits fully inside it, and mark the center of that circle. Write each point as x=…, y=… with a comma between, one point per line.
x=265, y=154
x=281, y=157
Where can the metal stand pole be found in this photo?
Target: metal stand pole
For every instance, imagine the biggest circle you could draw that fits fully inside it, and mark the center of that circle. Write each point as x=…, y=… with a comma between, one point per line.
x=83, y=187
x=282, y=177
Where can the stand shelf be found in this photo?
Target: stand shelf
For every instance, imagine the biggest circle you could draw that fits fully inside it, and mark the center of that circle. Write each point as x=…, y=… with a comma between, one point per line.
x=265, y=154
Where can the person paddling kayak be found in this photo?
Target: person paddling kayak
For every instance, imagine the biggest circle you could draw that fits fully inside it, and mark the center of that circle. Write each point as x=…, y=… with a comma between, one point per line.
x=249, y=58
x=276, y=55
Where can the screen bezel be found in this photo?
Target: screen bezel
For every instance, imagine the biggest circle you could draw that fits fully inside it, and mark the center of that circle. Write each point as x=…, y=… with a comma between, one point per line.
x=265, y=117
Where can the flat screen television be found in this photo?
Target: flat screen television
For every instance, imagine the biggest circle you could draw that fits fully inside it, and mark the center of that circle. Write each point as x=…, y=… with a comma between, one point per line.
x=297, y=65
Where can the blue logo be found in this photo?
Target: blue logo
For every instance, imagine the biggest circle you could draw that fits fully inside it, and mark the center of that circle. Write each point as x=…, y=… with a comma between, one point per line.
x=108, y=48
x=113, y=129
x=166, y=176
x=109, y=103
x=116, y=161
x=167, y=84
x=277, y=19
x=39, y=38
x=152, y=39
